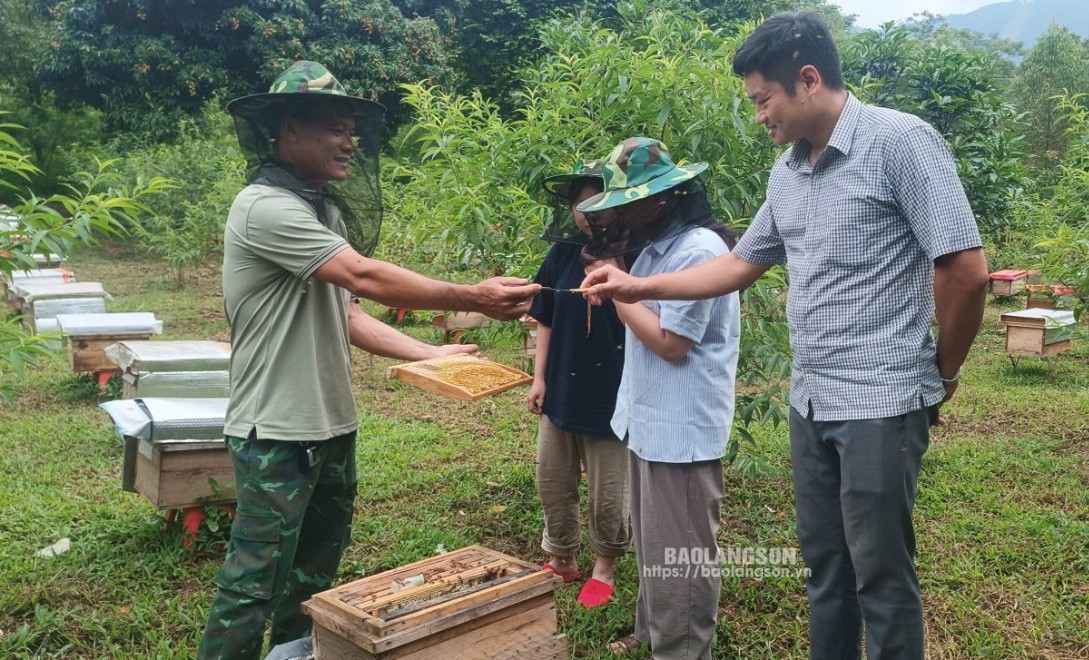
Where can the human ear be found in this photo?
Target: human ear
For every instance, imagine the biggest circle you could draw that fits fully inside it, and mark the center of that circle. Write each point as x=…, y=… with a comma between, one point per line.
x=810, y=78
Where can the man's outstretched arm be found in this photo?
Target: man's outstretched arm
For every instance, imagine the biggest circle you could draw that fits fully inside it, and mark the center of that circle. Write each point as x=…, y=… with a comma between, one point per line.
x=714, y=278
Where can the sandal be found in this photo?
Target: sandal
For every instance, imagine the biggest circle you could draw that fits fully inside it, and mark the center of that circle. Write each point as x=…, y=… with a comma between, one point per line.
x=595, y=593
x=567, y=577
x=625, y=645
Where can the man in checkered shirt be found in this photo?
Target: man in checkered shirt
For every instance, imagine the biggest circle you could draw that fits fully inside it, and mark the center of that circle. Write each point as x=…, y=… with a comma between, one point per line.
x=868, y=215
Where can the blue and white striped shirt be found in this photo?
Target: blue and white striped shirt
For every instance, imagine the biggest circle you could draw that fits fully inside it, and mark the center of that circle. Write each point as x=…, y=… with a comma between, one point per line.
x=681, y=412
x=859, y=232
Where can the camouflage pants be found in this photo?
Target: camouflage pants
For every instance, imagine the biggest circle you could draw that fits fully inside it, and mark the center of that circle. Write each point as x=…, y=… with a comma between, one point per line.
x=292, y=524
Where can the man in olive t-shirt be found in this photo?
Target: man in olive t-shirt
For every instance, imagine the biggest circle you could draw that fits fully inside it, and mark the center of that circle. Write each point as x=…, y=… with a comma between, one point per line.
x=288, y=278
x=272, y=247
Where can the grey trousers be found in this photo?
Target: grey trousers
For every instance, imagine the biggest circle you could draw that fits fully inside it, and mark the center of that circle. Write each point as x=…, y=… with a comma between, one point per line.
x=854, y=491
x=675, y=509
x=560, y=457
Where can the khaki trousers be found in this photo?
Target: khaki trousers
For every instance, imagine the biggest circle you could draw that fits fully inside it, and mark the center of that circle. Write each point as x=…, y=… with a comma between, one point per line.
x=675, y=513
x=560, y=458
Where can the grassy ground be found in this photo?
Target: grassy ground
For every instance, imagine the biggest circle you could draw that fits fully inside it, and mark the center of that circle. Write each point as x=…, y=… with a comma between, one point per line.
x=1002, y=512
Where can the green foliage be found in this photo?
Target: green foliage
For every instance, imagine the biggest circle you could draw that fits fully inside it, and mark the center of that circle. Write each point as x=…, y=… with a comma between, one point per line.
x=1058, y=63
x=502, y=35
x=18, y=349
x=493, y=41
x=731, y=15
x=1063, y=208
x=147, y=65
x=206, y=169
x=466, y=196
x=960, y=93
x=96, y=204
x=58, y=138
x=53, y=134
x=663, y=74
x=13, y=162
x=1002, y=504
x=763, y=369
x=459, y=205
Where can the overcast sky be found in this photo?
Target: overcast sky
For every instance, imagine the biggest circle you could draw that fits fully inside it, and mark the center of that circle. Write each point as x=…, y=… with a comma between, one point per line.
x=872, y=13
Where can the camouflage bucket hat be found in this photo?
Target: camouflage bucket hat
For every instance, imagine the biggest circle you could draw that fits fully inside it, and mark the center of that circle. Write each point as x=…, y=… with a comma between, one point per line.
x=636, y=169
x=560, y=184
x=257, y=121
x=302, y=80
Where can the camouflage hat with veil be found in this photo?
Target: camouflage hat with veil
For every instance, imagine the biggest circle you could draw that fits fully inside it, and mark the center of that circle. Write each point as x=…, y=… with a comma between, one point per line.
x=640, y=168
x=295, y=92
x=561, y=226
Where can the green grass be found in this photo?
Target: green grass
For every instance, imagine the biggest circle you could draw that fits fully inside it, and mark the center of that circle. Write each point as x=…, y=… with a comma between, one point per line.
x=1001, y=517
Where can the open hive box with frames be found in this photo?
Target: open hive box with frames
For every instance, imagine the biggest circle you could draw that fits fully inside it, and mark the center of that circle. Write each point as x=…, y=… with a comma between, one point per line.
x=465, y=377
x=466, y=604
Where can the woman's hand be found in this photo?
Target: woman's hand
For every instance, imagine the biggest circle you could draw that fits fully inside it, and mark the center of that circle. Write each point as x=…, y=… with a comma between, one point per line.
x=535, y=397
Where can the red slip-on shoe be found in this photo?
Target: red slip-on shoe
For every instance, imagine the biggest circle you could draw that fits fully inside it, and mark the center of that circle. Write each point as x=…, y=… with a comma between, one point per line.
x=567, y=577
x=595, y=593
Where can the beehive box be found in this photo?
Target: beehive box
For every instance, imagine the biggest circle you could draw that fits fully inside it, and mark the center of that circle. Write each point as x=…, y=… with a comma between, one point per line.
x=88, y=335
x=1045, y=296
x=465, y=377
x=1038, y=332
x=178, y=474
x=454, y=323
x=183, y=369
x=88, y=353
x=37, y=276
x=473, y=603
x=530, y=341
x=173, y=448
x=24, y=295
x=1008, y=282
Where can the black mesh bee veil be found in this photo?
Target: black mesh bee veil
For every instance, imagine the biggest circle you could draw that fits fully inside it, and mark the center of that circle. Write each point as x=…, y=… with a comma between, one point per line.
x=560, y=225
x=359, y=196
x=628, y=228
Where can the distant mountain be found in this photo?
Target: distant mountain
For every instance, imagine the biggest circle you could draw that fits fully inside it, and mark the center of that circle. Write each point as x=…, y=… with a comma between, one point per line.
x=1025, y=20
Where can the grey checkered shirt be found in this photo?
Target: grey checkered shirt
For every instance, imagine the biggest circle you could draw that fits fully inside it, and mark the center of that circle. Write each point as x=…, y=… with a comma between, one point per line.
x=859, y=232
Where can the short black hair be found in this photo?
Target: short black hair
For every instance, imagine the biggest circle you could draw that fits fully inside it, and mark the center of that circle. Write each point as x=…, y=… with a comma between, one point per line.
x=780, y=46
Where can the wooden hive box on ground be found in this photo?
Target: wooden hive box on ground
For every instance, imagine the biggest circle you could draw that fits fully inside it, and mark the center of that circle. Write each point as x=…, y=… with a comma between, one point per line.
x=88, y=335
x=174, y=449
x=1008, y=282
x=1044, y=296
x=27, y=293
x=1038, y=332
x=470, y=604
x=172, y=368
x=178, y=474
x=464, y=377
x=530, y=341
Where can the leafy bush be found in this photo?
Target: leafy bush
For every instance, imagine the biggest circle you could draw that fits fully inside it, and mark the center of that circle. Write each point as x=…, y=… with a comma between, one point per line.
x=1057, y=63
x=1063, y=209
x=148, y=65
x=476, y=183
x=97, y=203
x=206, y=168
x=466, y=194
x=960, y=93
x=52, y=133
